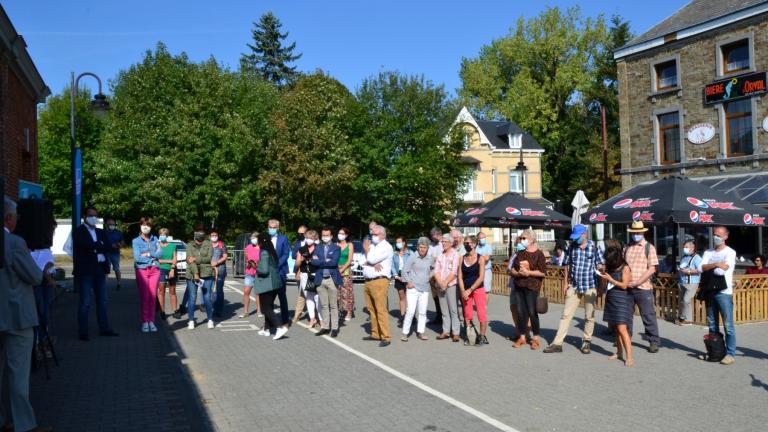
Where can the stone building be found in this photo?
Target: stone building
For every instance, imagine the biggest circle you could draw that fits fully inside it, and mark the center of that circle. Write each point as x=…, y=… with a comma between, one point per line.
x=692, y=102
x=21, y=89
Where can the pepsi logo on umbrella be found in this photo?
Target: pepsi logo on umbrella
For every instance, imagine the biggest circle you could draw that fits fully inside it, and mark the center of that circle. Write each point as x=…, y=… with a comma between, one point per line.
x=598, y=217
x=750, y=219
x=513, y=211
x=710, y=203
x=642, y=216
x=701, y=217
x=623, y=203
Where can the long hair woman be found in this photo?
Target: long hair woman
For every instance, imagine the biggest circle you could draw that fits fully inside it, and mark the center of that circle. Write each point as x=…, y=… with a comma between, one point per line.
x=618, y=302
x=346, y=291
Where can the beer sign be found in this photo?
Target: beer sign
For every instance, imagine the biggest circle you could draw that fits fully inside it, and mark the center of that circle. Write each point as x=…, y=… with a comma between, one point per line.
x=735, y=88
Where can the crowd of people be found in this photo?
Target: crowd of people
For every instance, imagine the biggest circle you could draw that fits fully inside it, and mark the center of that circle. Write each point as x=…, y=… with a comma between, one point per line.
x=455, y=271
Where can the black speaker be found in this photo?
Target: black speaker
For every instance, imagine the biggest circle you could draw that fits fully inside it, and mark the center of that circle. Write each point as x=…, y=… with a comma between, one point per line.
x=36, y=224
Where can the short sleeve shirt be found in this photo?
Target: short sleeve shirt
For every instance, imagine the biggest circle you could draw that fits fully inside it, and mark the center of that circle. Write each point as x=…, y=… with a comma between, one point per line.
x=639, y=263
x=219, y=249
x=168, y=251
x=114, y=236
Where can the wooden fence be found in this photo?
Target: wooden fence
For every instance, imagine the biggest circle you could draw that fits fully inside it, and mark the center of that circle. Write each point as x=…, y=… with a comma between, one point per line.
x=750, y=295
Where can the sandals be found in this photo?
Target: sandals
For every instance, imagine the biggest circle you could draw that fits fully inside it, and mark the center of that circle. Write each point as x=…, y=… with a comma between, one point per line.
x=404, y=338
x=421, y=336
x=520, y=342
x=442, y=336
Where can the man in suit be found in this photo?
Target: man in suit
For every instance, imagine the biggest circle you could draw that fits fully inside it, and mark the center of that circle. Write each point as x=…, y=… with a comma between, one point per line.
x=18, y=316
x=91, y=248
x=327, y=280
x=283, y=248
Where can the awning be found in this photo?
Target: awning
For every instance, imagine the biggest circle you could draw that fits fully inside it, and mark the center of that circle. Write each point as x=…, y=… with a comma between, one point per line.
x=751, y=187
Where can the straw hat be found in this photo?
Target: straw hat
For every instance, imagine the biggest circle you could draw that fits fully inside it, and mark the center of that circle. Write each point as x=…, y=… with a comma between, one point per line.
x=637, y=227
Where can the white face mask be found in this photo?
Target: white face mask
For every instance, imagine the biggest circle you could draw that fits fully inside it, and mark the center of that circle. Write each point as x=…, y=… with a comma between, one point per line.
x=327, y=239
x=342, y=237
x=214, y=239
x=91, y=220
x=637, y=238
x=718, y=240
x=254, y=241
x=376, y=240
x=146, y=229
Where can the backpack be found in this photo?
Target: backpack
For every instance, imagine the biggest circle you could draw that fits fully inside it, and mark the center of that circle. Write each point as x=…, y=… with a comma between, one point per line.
x=715, y=346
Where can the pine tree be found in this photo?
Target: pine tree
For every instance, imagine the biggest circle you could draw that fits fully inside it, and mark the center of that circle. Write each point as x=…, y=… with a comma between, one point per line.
x=268, y=57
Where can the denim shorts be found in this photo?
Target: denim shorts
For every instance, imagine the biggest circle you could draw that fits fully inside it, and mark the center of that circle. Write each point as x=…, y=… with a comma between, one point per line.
x=164, y=276
x=248, y=281
x=114, y=260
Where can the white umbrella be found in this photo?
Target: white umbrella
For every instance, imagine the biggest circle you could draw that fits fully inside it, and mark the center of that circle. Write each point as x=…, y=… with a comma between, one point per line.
x=580, y=205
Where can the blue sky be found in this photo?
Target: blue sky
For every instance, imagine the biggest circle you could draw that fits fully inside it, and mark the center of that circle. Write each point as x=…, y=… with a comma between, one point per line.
x=349, y=39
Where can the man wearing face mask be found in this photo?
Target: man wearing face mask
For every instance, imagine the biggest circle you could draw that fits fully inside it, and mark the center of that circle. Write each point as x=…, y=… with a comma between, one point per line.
x=299, y=240
x=582, y=260
x=642, y=260
x=283, y=249
x=721, y=259
x=115, y=240
x=199, y=274
x=91, y=247
x=327, y=280
x=377, y=269
x=458, y=242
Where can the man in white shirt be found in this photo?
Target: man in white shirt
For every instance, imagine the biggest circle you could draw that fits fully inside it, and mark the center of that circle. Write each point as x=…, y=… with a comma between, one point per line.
x=435, y=250
x=722, y=259
x=376, y=270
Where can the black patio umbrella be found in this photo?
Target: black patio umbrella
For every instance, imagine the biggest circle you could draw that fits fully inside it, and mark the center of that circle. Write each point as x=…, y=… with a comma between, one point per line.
x=679, y=200
x=510, y=210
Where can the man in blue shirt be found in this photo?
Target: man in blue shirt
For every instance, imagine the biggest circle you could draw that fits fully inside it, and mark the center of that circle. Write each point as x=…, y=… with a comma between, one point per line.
x=115, y=240
x=581, y=261
x=327, y=280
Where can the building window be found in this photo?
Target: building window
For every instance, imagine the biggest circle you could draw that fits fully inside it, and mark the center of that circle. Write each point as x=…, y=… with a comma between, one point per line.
x=735, y=56
x=666, y=75
x=515, y=141
x=467, y=140
x=738, y=128
x=669, y=137
x=493, y=180
x=516, y=182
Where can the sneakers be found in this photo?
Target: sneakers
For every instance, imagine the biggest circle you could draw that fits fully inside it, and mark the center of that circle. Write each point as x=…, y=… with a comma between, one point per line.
x=211, y=324
x=264, y=332
x=553, y=349
x=653, y=348
x=152, y=326
x=682, y=322
x=280, y=333
x=586, y=347
x=145, y=327
x=727, y=360
x=191, y=325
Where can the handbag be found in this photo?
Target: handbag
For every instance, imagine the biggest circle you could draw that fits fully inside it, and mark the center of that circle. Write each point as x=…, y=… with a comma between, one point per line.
x=710, y=284
x=310, y=285
x=542, y=305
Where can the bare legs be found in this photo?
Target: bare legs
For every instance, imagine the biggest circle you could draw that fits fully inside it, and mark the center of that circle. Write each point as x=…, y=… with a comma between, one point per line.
x=623, y=345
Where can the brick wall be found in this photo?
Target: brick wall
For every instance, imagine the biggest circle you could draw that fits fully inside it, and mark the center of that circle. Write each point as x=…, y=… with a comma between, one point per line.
x=18, y=111
x=697, y=68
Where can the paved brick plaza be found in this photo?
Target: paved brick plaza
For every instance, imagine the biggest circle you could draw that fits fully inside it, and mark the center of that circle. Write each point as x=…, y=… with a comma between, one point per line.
x=230, y=379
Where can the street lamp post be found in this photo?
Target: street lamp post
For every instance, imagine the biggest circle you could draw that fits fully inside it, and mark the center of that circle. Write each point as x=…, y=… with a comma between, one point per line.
x=99, y=105
x=521, y=169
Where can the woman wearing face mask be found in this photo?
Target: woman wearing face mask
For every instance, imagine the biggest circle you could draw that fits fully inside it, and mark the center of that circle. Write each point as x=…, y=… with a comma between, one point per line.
x=346, y=291
x=471, y=272
x=252, y=253
x=399, y=258
x=199, y=274
x=306, y=271
x=146, y=254
x=267, y=283
x=513, y=297
x=689, y=273
x=529, y=272
x=167, y=271
x=219, y=265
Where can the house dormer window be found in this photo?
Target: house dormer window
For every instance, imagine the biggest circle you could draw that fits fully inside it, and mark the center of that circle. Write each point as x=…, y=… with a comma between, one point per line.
x=515, y=141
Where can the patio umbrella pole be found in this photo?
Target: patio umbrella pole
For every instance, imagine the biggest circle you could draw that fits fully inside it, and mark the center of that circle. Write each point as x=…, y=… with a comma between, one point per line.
x=509, y=246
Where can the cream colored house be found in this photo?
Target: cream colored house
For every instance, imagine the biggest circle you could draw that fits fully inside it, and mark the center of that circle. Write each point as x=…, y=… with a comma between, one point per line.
x=494, y=150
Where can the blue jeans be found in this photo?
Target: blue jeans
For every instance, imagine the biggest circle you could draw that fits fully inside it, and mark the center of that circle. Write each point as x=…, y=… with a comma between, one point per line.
x=192, y=290
x=43, y=297
x=90, y=286
x=722, y=304
x=218, y=303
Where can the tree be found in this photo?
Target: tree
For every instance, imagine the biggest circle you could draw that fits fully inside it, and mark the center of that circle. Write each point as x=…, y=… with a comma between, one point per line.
x=268, y=57
x=184, y=144
x=55, y=148
x=543, y=75
x=409, y=174
x=311, y=163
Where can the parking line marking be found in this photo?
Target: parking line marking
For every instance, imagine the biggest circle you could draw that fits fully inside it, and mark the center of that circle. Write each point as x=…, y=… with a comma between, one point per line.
x=438, y=394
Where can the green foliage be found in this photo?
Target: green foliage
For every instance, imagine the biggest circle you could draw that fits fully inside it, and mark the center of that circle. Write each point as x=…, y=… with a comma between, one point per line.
x=543, y=76
x=55, y=148
x=183, y=143
x=409, y=175
x=268, y=57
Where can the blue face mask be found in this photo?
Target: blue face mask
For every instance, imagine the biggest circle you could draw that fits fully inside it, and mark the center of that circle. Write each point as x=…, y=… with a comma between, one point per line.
x=272, y=232
x=524, y=243
x=163, y=238
x=483, y=241
x=580, y=240
x=520, y=247
x=399, y=245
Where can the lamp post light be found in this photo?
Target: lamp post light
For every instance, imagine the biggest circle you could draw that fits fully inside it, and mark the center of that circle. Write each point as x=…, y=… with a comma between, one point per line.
x=100, y=106
x=521, y=169
x=605, y=147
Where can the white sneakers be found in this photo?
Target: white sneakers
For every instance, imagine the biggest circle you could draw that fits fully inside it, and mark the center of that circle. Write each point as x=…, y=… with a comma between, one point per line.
x=264, y=332
x=191, y=325
x=152, y=327
x=281, y=331
x=211, y=324
x=145, y=327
